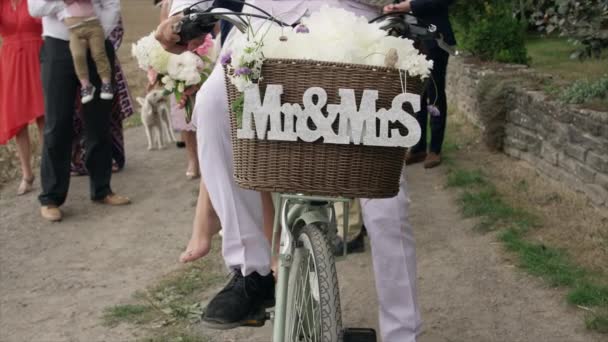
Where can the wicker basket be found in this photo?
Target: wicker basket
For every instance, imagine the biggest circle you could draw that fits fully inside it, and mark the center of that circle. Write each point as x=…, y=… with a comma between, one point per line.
x=376, y=3
x=353, y=171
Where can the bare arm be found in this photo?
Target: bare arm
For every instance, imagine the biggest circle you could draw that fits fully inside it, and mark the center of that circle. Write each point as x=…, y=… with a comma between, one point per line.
x=165, y=9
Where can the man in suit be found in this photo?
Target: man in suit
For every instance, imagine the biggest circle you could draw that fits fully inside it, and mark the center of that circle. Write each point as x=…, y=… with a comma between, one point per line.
x=245, y=248
x=60, y=87
x=434, y=102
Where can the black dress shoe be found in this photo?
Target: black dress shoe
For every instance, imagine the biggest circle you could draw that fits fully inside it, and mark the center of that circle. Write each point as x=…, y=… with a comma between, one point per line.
x=180, y=144
x=356, y=245
x=239, y=300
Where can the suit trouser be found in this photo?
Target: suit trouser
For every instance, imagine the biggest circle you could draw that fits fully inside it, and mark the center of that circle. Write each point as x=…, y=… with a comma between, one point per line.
x=60, y=85
x=434, y=95
x=245, y=247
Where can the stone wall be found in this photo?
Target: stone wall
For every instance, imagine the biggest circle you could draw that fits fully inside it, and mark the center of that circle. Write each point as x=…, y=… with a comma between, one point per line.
x=563, y=142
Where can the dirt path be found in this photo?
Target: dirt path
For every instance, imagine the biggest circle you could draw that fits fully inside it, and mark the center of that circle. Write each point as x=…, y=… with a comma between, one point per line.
x=469, y=290
x=56, y=279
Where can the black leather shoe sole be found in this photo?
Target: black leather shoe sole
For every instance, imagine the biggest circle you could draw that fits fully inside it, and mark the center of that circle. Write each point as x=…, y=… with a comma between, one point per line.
x=255, y=319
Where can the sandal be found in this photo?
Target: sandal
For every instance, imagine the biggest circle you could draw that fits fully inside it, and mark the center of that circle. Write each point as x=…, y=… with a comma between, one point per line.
x=25, y=186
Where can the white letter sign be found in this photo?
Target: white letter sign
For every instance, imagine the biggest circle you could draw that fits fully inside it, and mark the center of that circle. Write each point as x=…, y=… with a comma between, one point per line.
x=355, y=125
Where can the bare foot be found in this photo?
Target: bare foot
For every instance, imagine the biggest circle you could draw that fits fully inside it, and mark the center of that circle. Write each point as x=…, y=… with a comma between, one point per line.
x=192, y=172
x=206, y=225
x=198, y=247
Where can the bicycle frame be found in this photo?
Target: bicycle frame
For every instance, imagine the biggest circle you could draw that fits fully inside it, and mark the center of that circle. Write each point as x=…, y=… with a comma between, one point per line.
x=292, y=212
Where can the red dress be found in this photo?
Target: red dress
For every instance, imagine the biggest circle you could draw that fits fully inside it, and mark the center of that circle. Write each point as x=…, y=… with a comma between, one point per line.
x=21, y=99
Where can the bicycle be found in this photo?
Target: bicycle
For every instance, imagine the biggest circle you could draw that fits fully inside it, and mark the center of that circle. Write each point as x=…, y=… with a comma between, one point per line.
x=307, y=305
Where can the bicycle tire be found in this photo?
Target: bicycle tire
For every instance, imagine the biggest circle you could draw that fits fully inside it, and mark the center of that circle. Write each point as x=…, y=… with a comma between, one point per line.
x=319, y=288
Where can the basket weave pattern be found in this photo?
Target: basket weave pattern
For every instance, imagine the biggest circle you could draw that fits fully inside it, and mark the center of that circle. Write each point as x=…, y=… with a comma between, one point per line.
x=316, y=168
x=376, y=3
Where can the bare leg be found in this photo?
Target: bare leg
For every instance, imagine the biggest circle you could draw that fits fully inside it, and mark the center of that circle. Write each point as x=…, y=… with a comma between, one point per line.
x=25, y=156
x=206, y=225
x=40, y=124
x=191, y=150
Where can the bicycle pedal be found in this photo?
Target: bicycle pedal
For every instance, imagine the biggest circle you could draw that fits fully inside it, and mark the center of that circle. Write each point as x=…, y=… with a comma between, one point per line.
x=256, y=318
x=359, y=335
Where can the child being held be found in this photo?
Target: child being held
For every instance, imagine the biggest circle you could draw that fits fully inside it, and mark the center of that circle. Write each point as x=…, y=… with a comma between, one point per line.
x=86, y=32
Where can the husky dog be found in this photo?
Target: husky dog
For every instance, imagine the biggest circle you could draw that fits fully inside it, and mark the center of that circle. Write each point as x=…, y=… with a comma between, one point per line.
x=155, y=117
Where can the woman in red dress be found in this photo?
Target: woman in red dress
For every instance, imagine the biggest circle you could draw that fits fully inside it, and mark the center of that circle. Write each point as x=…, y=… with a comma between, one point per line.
x=21, y=99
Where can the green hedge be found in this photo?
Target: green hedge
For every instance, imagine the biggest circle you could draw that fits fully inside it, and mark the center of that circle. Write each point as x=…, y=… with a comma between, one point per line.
x=489, y=31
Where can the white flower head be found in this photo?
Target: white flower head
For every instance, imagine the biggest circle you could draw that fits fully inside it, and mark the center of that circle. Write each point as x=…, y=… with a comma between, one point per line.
x=168, y=83
x=334, y=35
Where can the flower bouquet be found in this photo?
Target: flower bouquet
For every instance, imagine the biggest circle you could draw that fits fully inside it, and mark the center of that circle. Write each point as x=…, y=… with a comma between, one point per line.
x=181, y=75
x=322, y=37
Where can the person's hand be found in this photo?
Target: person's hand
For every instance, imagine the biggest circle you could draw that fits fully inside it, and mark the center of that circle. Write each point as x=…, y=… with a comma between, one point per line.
x=188, y=93
x=167, y=37
x=403, y=6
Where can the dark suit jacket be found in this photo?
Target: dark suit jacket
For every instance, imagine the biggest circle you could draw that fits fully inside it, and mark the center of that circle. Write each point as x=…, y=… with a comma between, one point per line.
x=435, y=12
x=226, y=26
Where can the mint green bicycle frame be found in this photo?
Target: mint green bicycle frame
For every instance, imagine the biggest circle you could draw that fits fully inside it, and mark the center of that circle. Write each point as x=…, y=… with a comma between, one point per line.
x=297, y=211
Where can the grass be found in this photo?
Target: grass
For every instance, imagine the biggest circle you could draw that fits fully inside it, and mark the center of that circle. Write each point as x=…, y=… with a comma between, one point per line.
x=169, y=308
x=552, y=55
x=133, y=121
x=132, y=313
x=551, y=264
x=598, y=322
x=480, y=198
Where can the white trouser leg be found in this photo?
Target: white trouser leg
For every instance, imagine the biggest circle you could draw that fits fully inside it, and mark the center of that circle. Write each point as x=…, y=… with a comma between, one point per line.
x=394, y=259
x=240, y=211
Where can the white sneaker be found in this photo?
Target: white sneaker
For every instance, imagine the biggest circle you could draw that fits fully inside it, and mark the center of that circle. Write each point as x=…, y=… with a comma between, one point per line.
x=107, y=93
x=87, y=94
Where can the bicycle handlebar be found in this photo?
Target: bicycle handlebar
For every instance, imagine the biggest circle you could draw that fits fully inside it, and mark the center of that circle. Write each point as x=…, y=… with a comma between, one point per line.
x=197, y=23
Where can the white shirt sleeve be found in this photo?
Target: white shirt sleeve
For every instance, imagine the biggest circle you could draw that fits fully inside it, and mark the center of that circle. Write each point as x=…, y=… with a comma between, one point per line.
x=44, y=8
x=179, y=5
x=108, y=12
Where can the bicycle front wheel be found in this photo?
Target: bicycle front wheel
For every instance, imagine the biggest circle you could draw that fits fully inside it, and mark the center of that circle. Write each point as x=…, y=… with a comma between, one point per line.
x=313, y=297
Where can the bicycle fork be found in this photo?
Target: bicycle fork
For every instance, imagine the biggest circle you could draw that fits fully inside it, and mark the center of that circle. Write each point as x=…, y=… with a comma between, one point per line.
x=284, y=219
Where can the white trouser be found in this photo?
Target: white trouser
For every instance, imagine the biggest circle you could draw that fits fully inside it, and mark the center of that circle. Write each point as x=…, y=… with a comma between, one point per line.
x=244, y=245
x=394, y=259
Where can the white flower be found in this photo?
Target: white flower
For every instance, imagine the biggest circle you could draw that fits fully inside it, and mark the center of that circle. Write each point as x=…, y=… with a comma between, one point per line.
x=335, y=35
x=185, y=67
x=146, y=49
x=159, y=59
x=180, y=87
x=168, y=83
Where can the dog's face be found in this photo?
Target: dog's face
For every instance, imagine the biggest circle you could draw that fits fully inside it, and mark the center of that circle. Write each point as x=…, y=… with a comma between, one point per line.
x=154, y=97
